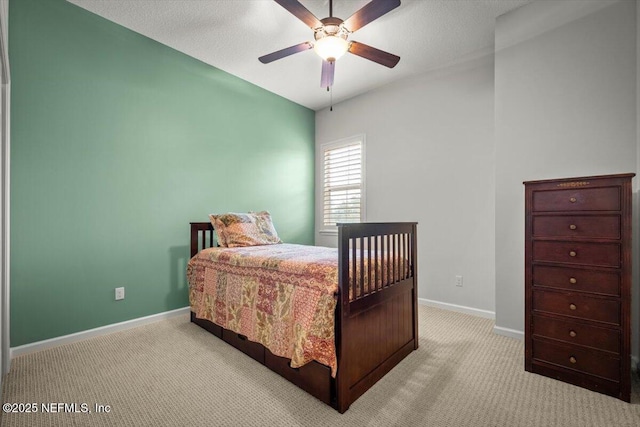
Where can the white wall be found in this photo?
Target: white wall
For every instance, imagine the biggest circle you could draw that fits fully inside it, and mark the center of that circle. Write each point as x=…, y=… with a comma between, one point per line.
x=565, y=106
x=429, y=158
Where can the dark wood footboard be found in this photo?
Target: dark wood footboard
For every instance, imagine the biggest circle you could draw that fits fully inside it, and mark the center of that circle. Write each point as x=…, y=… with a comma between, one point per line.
x=376, y=315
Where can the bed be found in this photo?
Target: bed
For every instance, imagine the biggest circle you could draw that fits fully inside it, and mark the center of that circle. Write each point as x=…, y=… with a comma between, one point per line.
x=374, y=319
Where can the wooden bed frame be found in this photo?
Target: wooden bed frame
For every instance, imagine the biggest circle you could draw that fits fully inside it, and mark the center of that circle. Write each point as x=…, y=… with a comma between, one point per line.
x=375, y=328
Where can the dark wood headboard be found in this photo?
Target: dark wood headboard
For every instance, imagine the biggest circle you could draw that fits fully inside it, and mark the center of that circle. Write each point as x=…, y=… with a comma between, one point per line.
x=202, y=236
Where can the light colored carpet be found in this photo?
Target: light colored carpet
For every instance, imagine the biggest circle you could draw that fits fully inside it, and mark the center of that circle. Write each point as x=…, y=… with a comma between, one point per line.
x=173, y=373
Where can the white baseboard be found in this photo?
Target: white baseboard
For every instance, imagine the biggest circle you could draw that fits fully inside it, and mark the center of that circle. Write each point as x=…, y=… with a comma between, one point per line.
x=103, y=330
x=459, y=308
x=511, y=333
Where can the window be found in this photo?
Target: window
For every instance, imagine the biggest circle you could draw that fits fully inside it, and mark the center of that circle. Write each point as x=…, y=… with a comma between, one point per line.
x=343, y=181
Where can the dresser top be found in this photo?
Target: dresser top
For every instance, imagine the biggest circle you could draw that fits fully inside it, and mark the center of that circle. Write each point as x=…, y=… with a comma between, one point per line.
x=582, y=178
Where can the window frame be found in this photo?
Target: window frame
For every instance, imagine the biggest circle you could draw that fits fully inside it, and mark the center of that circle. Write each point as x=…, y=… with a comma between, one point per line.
x=333, y=230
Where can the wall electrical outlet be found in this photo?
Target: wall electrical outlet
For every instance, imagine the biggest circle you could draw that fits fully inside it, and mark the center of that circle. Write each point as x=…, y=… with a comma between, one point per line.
x=119, y=293
x=458, y=281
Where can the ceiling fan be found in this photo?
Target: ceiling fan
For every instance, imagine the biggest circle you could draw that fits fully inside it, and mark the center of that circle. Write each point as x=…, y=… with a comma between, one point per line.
x=331, y=36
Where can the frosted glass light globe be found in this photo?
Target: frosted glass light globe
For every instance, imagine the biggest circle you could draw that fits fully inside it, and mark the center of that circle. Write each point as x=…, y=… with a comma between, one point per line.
x=331, y=48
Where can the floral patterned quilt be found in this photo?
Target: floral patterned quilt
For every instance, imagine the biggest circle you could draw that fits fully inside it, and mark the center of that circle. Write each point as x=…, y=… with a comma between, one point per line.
x=282, y=296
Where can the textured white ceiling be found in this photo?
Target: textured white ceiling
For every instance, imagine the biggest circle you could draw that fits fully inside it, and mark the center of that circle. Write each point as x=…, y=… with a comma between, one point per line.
x=232, y=34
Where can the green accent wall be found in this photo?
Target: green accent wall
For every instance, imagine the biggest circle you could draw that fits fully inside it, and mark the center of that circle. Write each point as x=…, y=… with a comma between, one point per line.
x=117, y=143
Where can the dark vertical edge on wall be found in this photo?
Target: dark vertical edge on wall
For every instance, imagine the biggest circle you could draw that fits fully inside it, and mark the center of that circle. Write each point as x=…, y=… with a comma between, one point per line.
x=5, y=190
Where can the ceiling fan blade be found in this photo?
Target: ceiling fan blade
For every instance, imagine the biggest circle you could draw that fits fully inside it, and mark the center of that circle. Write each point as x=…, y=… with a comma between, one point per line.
x=285, y=52
x=370, y=12
x=300, y=12
x=372, y=54
x=328, y=69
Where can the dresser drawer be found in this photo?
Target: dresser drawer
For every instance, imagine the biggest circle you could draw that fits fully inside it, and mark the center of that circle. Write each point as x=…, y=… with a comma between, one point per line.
x=577, y=333
x=579, y=306
x=580, y=359
x=596, y=254
x=574, y=279
x=583, y=199
x=605, y=226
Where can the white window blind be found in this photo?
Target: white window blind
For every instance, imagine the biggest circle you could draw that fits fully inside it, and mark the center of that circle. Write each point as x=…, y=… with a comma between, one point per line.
x=343, y=183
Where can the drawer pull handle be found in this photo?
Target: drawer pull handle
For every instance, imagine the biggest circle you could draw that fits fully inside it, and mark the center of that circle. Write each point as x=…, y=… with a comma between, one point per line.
x=572, y=253
x=572, y=306
x=572, y=227
x=572, y=334
x=573, y=200
x=573, y=280
x=572, y=359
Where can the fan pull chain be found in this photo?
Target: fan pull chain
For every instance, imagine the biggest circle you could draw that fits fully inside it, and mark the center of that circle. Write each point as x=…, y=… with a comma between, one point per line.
x=330, y=98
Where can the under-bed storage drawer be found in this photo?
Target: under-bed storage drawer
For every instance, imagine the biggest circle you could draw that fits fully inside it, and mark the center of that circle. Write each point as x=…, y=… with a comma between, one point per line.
x=207, y=325
x=250, y=348
x=314, y=377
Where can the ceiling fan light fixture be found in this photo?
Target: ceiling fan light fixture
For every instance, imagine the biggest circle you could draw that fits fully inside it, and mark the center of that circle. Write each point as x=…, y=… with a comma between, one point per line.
x=331, y=36
x=330, y=48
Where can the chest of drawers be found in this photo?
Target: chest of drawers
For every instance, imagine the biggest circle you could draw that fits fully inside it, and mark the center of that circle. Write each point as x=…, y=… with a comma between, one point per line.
x=578, y=281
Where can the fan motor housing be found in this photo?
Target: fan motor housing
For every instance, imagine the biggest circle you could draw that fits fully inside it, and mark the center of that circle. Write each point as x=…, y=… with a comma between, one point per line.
x=331, y=26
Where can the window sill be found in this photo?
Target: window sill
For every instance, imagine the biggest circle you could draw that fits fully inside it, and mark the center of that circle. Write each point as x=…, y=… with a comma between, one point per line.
x=328, y=232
